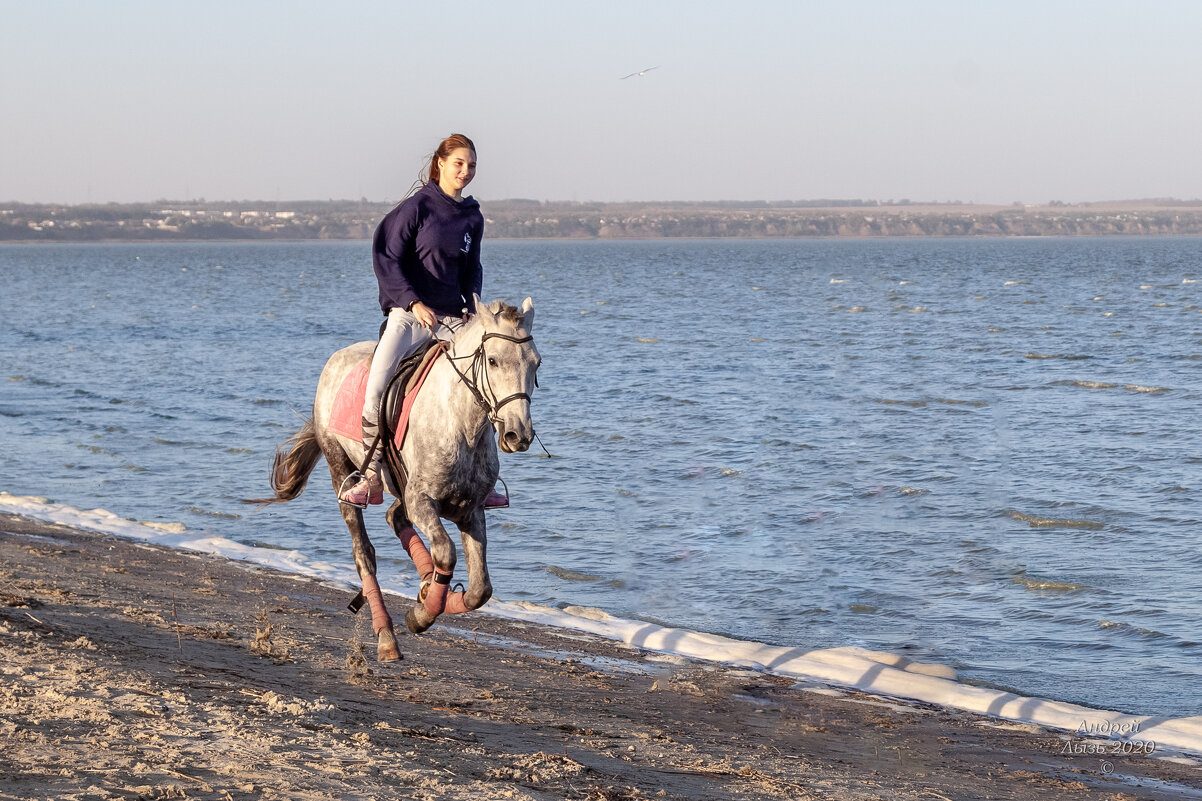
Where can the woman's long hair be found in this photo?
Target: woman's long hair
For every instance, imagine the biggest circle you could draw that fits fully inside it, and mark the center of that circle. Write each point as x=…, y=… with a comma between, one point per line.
x=429, y=174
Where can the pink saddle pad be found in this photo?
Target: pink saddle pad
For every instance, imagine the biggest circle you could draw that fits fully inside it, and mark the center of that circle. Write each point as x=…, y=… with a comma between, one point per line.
x=346, y=418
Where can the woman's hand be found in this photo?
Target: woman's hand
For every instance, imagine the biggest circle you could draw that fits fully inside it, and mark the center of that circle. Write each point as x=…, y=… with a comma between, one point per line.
x=424, y=314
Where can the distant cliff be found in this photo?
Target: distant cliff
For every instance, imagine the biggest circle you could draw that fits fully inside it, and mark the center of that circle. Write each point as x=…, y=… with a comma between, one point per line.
x=524, y=219
x=192, y=220
x=511, y=219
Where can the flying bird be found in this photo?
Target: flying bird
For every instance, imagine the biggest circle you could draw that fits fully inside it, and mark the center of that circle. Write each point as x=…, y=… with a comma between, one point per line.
x=638, y=74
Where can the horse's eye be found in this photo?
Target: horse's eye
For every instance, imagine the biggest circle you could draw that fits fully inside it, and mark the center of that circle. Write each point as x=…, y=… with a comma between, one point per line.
x=492, y=362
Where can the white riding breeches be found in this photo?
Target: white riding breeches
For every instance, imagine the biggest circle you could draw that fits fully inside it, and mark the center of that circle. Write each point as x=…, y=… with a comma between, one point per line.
x=403, y=336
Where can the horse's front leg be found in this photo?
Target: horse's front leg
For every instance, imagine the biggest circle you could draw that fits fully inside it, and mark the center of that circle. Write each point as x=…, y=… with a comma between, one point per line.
x=424, y=514
x=475, y=546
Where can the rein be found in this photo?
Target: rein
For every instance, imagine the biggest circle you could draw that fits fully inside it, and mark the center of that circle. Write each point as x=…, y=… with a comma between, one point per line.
x=477, y=376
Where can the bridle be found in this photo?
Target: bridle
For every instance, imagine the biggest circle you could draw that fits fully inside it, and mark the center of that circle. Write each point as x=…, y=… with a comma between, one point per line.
x=476, y=376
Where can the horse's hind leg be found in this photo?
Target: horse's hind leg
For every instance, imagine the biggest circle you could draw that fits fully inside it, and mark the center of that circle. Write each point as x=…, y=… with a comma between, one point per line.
x=365, y=563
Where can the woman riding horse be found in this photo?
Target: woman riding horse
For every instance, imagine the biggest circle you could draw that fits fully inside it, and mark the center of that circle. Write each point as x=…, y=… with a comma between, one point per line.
x=474, y=401
x=426, y=255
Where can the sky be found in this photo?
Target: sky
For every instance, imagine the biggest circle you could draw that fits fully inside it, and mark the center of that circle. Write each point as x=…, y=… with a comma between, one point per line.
x=971, y=101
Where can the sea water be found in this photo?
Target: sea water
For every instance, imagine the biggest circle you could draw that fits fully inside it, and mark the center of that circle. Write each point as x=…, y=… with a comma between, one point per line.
x=981, y=452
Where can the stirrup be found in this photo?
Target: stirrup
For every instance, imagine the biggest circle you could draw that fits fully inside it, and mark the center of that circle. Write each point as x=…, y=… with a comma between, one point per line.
x=495, y=500
x=354, y=478
x=369, y=495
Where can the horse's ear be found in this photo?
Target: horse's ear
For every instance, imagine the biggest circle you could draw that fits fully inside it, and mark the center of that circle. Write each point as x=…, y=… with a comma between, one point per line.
x=527, y=314
x=485, y=314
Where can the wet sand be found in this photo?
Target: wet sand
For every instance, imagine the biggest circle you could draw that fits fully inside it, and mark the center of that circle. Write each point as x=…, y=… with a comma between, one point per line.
x=132, y=671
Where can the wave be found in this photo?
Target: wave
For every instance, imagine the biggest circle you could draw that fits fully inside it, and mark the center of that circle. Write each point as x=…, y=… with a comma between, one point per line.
x=976, y=404
x=1106, y=384
x=1035, y=521
x=211, y=513
x=880, y=673
x=1127, y=629
x=1037, y=584
x=919, y=404
x=570, y=575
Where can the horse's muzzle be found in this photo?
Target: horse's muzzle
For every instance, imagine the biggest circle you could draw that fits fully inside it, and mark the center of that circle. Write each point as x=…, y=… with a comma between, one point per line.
x=512, y=442
x=515, y=430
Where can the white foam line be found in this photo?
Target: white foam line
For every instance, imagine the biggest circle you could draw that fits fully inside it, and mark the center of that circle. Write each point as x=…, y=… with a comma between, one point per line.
x=876, y=673
x=174, y=535
x=873, y=672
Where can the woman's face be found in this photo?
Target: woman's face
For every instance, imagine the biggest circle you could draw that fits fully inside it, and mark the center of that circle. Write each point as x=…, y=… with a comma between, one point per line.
x=456, y=171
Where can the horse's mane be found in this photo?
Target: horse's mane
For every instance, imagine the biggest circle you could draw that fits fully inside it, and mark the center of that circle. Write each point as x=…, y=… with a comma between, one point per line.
x=510, y=314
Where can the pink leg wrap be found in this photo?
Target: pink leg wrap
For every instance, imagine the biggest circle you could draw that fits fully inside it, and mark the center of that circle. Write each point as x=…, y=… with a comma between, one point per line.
x=455, y=605
x=379, y=615
x=412, y=542
x=440, y=599
x=436, y=598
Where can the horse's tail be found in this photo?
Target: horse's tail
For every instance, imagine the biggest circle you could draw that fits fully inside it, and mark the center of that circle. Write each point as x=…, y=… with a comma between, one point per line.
x=294, y=461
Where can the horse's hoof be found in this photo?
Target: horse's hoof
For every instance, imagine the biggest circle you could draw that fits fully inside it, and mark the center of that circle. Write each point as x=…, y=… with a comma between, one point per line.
x=386, y=648
x=413, y=623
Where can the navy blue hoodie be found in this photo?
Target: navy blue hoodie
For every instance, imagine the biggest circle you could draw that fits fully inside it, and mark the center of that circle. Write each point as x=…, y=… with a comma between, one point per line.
x=428, y=249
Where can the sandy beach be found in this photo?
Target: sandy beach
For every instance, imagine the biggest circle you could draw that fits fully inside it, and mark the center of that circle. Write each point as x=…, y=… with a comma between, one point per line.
x=134, y=671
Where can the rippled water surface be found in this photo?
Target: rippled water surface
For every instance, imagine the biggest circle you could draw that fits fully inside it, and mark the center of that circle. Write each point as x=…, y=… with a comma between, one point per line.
x=987, y=452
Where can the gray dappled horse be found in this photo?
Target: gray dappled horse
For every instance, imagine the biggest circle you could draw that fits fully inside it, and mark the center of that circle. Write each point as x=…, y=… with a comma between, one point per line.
x=449, y=454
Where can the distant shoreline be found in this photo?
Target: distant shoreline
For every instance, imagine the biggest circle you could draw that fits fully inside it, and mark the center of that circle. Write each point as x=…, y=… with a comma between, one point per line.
x=348, y=221
x=849, y=237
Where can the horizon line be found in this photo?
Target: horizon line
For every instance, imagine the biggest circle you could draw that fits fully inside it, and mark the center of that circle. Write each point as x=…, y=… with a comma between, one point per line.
x=811, y=202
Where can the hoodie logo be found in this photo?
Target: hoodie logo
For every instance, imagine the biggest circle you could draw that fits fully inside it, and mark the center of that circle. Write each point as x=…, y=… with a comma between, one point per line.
x=467, y=243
